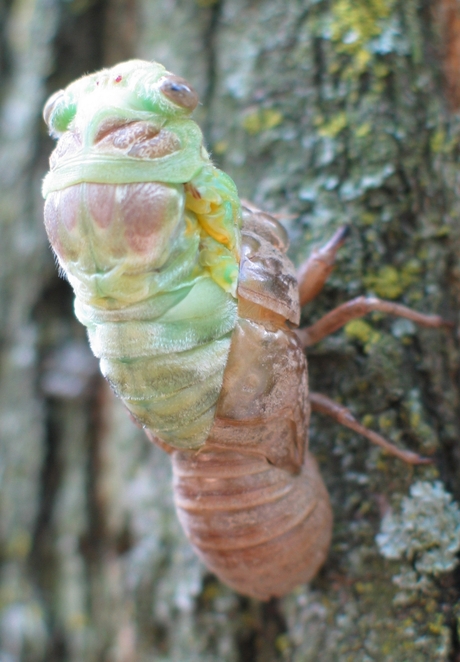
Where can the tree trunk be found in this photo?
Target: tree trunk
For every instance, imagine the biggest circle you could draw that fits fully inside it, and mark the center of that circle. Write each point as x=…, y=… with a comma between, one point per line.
x=326, y=112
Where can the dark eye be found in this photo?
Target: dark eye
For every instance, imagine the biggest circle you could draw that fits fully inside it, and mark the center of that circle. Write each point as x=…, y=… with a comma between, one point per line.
x=58, y=112
x=179, y=92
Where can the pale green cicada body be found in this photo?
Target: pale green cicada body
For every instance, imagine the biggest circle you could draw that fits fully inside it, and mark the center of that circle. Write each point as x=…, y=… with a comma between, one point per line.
x=190, y=304
x=147, y=231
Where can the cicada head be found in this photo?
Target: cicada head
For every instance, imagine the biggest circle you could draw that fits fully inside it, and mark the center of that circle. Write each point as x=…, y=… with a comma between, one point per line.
x=115, y=191
x=123, y=125
x=126, y=91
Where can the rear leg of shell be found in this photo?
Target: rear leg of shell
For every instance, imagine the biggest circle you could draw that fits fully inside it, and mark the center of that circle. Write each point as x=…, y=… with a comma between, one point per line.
x=324, y=405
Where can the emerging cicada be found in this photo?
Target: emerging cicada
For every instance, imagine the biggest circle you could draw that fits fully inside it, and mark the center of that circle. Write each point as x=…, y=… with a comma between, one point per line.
x=191, y=306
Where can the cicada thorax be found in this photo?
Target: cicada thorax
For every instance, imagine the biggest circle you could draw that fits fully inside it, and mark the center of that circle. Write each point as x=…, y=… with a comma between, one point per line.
x=252, y=500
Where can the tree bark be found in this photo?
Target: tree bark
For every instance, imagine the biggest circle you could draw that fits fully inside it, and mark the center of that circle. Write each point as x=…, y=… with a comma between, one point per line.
x=327, y=112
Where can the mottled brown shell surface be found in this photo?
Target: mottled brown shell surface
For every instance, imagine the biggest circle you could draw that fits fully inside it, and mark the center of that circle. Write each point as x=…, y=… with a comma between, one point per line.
x=252, y=501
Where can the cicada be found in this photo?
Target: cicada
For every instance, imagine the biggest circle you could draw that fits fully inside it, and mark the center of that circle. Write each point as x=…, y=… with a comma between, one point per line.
x=191, y=305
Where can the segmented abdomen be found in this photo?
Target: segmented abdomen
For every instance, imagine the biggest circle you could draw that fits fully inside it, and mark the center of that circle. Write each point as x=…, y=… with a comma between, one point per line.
x=262, y=530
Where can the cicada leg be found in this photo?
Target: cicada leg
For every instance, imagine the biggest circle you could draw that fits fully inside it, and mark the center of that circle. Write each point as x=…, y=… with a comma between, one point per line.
x=311, y=276
x=324, y=405
x=315, y=271
x=359, y=307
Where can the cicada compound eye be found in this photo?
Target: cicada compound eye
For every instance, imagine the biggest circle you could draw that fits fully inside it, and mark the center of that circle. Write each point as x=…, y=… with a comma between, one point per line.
x=58, y=112
x=180, y=92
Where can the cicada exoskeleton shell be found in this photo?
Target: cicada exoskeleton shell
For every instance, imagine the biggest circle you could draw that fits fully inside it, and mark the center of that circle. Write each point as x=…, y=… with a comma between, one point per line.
x=252, y=500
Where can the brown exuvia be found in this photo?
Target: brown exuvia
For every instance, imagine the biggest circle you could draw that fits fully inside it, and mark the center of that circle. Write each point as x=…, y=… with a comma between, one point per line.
x=192, y=305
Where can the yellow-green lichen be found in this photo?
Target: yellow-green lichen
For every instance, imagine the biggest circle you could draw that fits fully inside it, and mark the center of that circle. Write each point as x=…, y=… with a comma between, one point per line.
x=334, y=126
x=386, y=422
x=413, y=413
x=363, y=130
x=368, y=218
x=390, y=283
x=77, y=620
x=282, y=643
x=362, y=331
x=19, y=545
x=220, y=147
x=354, y=24
x=438, y=140
x=260, y=120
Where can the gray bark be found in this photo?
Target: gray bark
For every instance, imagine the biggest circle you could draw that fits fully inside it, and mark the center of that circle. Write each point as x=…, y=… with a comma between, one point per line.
x=327, y=112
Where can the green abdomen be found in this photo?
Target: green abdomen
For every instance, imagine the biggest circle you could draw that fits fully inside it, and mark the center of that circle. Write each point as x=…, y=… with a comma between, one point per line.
x=169, y=370
x=156, y=319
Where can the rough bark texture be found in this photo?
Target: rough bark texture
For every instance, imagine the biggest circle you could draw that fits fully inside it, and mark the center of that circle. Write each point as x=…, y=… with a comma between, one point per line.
x=328, y=111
